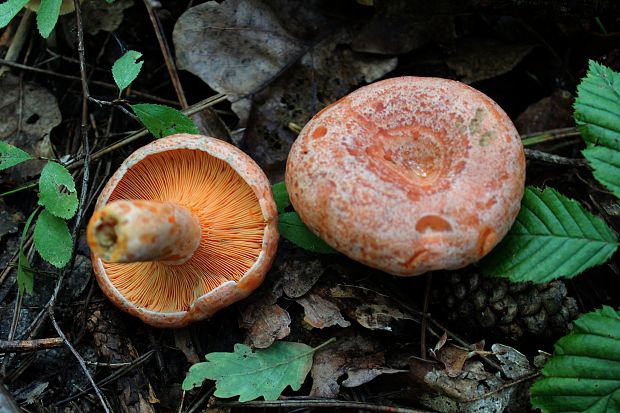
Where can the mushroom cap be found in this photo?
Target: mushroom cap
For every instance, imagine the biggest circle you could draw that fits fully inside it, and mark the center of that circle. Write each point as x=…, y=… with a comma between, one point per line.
x=230, y=195
x=409, y=175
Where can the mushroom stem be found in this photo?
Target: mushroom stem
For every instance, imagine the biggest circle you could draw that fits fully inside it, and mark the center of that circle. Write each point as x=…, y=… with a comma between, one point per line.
x=138, y=230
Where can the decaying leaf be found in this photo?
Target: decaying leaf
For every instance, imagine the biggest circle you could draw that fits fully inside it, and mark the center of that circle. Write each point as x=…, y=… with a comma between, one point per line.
x=265, y=322
x=358, y=357
x=321, y=313
x=29, y=113
x=453, y=357
x=9, y=220
x=472, y=389
x=298, y=277
x=477, y=59
x=514, y=364
x=371, y=309
x=100, y=15
x=289, y=80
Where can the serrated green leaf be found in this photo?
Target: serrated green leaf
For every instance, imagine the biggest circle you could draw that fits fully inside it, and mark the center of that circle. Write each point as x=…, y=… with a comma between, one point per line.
x=584, y=373
x=553, y=236
x=52, y=239
x=293, y=229
x=54, y=179
x=11, y=155
x=47, y=16
x=280, y=195
x=163, y=121
x=265, y=372
x=25, y=276
x=126, y=69
x=9, y=9
x=597, y=113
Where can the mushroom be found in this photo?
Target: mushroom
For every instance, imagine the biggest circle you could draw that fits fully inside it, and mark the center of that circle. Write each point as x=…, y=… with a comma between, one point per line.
x=409, y=175
x=186, y=226
x=66, y=7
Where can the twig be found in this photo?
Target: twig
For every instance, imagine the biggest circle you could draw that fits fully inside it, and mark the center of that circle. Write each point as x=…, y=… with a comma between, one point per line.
x=316, y=403
x=16, y=346
x=548, y=136
x=552, y=158
x=94, y=82
x=165, y=50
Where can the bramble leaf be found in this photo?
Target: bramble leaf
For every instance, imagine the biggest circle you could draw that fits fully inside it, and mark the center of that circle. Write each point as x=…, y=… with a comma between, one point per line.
x=280, y=195
x=126, y=69
x=52, y=239
x=11, y=155
x=293, y=229
x=583, y=375
x=597, y=113
x=54, y=184
x=553, y=236
x=9, y=9
x=47, y=16
x=163, y=121
x=264, y=372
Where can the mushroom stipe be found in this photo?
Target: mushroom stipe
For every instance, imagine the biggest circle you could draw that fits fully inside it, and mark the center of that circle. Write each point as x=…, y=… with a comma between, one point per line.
x=185, y=227
x=409, y=175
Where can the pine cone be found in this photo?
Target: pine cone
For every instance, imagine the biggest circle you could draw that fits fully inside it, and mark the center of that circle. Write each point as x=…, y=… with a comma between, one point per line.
x=496, y=306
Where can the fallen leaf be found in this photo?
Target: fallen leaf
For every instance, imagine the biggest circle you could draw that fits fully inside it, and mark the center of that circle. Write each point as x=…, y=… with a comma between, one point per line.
x=358, y=355
x=321, y=313
x=369, y=308
x=9, y=220
x=29, y=113
x=477, y=59
x=514, y=364
x=551, y=112
x=100, y=15
x=265, y=322
x=298, y=277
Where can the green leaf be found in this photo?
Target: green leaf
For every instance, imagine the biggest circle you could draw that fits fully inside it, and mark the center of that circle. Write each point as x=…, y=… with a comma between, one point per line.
x=293, y=229
x=553, y=236
x=584, y=373
x=265, y=372
x=11, y=155
x=163, y=121
x=280, y=195
x=9, y=9
x=25, y=275
x=597, y=113
x=52, y=239
x=47, y=16
x=54, y=179
x=126, y=69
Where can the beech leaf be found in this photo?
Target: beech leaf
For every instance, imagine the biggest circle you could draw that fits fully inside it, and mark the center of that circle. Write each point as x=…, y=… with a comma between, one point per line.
x=126, y=69
x=553, y=236
x=163, y=121
x=11, y=155
x=583, y=375
x=52, y=239
x=57, y=191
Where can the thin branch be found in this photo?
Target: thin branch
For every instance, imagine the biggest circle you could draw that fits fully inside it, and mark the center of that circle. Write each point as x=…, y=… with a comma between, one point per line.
x=316, y=403
x=17, y=346
x=552, y=158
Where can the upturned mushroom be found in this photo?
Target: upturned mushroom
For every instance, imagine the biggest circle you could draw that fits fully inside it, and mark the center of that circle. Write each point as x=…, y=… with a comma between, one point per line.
x=409, y=175
x=185, y=227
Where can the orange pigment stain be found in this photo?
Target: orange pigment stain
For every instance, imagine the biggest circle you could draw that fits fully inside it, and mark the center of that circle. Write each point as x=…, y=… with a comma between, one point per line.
x=432, y=223
x=319, y=132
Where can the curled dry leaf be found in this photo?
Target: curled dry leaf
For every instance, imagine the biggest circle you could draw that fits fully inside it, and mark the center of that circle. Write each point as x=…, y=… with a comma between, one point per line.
x=100, y=15
x=265, y=322
x=472, y=390
x=369, y=308
x=453, y=358
x=321, y=313
x=514, y=364
x=29, y=113
x=358, y=357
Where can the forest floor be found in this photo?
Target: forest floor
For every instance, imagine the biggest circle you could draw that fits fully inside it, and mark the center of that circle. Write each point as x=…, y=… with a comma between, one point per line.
x=252, y=74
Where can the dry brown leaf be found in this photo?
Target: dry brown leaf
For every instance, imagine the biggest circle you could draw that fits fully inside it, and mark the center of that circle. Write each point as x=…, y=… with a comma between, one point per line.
x=297, y=277
x=321, y=313
x=551, y=112
x=265, y=322
x=477, y=59
x=369, y=308
x=358, y=355
x=29, y=113
x=514, y=364
x=99, y=15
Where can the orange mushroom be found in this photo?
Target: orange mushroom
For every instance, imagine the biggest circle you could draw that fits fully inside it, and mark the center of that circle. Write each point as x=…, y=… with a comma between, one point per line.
x=409, y=175
x=185, y=227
